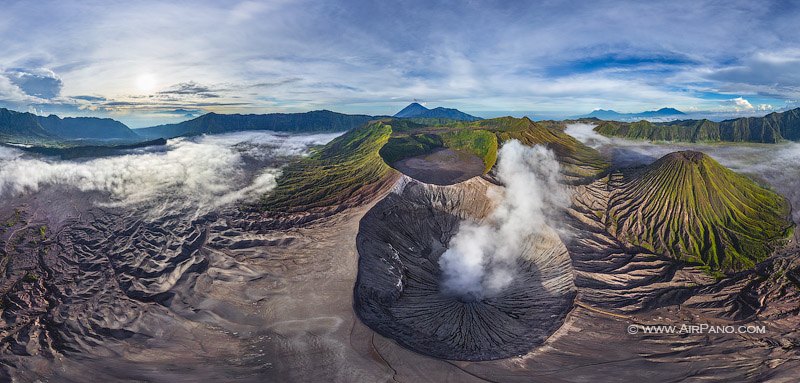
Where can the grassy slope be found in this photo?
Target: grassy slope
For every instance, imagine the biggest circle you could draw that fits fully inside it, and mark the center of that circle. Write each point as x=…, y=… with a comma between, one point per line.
x=689, y=206
x=478, y=142
x=333, y=174
x=685, y=131
x=577, y=159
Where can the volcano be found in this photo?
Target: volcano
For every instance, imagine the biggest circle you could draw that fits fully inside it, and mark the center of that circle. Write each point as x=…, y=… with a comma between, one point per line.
x=692, y=208
x=399, y=292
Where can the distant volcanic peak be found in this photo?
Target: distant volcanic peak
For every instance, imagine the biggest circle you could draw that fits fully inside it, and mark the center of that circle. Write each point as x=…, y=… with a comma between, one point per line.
x=690, y=207
x=412, y=110
x=669, y=111
x=612, y=114
x=415, y=110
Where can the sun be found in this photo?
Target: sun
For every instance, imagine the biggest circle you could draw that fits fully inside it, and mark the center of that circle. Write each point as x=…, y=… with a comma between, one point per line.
x=146, y=83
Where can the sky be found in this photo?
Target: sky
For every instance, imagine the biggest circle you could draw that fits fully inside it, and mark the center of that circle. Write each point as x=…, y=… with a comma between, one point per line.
x=145, y=62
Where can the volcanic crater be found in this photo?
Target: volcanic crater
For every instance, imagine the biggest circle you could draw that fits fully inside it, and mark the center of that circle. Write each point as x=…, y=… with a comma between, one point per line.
x=399, y=291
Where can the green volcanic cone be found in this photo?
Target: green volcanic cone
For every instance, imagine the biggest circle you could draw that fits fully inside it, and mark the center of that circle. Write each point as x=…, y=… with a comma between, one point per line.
x=689, y=206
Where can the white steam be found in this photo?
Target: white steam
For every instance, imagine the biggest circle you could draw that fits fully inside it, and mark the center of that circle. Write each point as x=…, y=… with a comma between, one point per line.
x=585, y=133
x=198, y=173
x=481, y=259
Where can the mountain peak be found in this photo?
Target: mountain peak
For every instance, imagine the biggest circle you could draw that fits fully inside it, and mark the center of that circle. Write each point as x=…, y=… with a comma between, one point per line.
x=669, y=111
x=415, y=110
x=686, y=156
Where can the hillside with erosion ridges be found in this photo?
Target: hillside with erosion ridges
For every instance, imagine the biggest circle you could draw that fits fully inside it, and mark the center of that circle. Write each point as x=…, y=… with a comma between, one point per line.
x=690, y=207
x=317, y=121
x=772, y=128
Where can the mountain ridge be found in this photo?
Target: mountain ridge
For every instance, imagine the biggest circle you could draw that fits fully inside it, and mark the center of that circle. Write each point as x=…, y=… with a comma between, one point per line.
x=317, y=121
x=25, y=127
x=771, y=128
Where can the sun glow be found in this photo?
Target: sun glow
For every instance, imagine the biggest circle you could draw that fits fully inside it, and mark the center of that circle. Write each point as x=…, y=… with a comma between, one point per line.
x=146, y=83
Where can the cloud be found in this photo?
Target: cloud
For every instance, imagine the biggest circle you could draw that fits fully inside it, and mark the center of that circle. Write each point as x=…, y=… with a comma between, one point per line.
x=90, y=98
x=10, y=93
x=190, y=88
x=774, y=73
x=764, y=107
x=739, y=104
x=38, y=82
x=585, y=133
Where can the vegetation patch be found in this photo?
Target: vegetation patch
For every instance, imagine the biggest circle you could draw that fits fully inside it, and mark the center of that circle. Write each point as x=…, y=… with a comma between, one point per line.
x=30, y=277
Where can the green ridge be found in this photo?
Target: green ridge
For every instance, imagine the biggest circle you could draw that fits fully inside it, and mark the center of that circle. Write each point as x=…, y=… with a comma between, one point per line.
x=772, y=128
x=347, y=167
x=333, y=174
x=692, y=208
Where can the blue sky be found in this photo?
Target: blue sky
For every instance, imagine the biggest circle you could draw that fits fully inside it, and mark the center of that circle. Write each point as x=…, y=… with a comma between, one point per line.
x=152, y=62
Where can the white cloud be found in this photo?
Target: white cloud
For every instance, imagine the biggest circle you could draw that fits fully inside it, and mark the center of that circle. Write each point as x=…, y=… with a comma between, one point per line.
x=738, y=104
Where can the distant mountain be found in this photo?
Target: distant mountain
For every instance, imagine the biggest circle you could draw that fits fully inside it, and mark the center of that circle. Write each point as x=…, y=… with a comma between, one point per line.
x=26, y=127
x=772, y=128
x=21, y=127
x=211, y=123
x=415, y=110
x=80, y=128
x=412, y=110
x=614, y=115
x=663, y=112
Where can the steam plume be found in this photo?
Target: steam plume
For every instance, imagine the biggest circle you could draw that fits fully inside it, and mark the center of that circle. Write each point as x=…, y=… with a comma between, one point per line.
x=482, y=257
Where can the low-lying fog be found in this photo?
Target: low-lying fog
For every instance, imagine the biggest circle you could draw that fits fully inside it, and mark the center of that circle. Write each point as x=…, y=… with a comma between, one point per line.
x=775, y=165
x=198, y=173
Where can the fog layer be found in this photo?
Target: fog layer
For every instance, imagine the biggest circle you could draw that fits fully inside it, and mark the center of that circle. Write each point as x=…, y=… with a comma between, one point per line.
x=199, y=172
